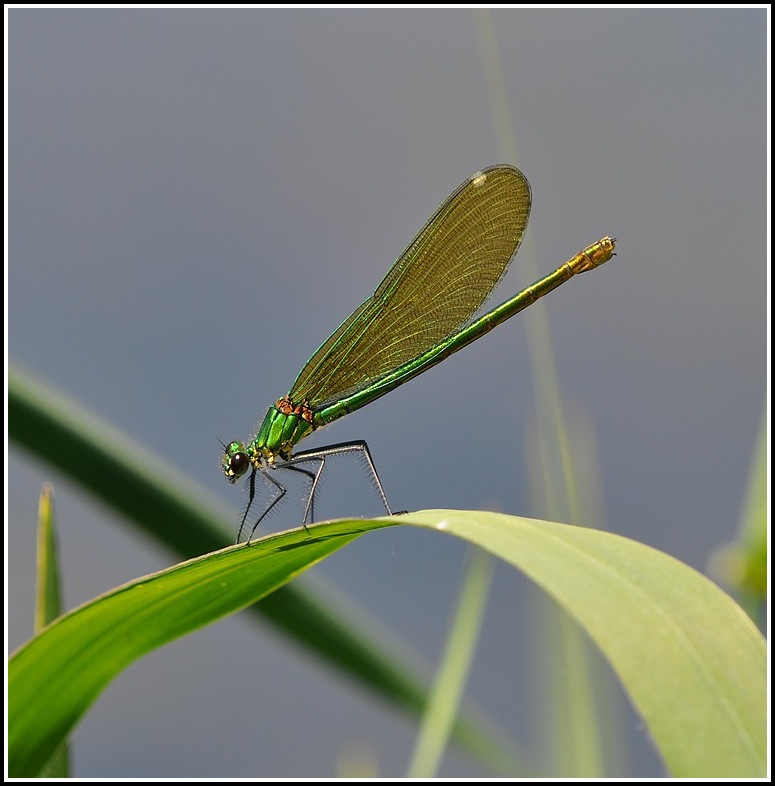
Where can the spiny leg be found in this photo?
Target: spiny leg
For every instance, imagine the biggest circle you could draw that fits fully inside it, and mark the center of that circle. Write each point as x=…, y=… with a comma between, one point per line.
x=317, y=456
x=280, y=493
x=251, y=495
x=320, y=454
x=313, y=481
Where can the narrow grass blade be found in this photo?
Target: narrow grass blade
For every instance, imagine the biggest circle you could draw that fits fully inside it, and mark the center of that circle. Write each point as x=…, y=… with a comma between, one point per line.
x=447, y=692
x=743, y=564
x=48, y=605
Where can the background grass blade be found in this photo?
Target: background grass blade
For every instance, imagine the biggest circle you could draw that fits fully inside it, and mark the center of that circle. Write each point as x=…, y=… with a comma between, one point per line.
x=452, y=674
x=743, y=564
x=583, y=743
x=48, y=605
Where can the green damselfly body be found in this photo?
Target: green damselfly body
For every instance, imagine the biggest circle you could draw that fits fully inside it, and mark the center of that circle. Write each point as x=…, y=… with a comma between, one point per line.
x=422, y=312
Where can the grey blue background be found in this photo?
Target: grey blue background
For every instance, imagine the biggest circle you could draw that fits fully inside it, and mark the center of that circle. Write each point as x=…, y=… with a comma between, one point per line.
x=198, y=197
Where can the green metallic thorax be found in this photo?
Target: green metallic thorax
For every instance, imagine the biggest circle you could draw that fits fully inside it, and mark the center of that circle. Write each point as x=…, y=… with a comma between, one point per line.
x=285, y=424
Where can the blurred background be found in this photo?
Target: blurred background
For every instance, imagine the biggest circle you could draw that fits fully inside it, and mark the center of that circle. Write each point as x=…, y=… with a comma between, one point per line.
x=198, y=197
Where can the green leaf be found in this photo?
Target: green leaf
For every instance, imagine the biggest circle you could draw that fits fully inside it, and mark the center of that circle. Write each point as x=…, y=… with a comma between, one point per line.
x=56, y=676
x=692, y=661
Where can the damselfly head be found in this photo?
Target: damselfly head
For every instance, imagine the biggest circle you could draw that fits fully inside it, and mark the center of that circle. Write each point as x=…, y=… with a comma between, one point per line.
x=235, y=462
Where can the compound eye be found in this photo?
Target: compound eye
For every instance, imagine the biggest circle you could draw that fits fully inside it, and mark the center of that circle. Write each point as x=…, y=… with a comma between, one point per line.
x=239, y=464
x=236, y=461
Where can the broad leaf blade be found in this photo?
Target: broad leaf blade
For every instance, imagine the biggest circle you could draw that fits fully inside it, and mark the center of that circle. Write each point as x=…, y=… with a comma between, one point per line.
x=690, y=658
x=692, y=661
x=66, y=667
